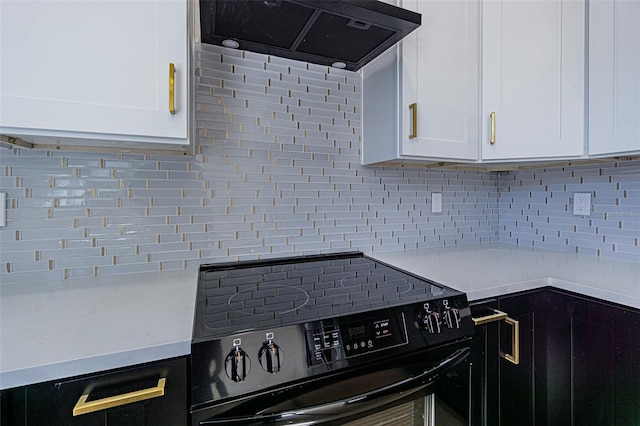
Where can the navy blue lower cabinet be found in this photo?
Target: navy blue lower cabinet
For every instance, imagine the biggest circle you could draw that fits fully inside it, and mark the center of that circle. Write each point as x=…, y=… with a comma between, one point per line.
x=150, y=394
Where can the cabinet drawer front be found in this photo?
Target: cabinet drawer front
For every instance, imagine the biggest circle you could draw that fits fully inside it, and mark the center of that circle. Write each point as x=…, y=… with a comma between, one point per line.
x=152, y=394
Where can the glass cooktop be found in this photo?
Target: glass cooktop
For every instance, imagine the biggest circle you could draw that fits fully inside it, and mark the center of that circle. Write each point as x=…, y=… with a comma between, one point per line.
x=252, y=295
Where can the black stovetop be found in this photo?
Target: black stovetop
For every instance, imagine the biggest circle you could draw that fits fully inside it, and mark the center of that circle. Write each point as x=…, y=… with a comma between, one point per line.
x=254, y=295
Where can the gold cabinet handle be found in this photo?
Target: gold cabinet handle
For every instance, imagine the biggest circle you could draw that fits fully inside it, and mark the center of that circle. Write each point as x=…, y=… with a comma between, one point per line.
x=514, y=357
x=84, y=407
x=496, y=316
x=414, y=121
x=493, y=128
x=172, y=87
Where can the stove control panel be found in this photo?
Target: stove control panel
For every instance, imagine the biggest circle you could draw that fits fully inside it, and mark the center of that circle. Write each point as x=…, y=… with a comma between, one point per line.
x=252, y=360
x=333, y=341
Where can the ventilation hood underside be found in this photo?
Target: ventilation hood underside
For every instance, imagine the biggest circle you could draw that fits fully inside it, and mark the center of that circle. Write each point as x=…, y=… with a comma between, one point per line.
x=318, y=31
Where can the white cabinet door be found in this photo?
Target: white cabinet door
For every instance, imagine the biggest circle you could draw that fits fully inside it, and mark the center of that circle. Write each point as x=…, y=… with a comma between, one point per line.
x=614, y=77
x=440, y=81
x=436, y=67
x=94, y=69
x=533, y=79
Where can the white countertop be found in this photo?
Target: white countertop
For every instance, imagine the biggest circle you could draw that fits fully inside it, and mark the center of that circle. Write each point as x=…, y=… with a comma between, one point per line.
x=493, y=270
x=50, y=331
x=66, y=328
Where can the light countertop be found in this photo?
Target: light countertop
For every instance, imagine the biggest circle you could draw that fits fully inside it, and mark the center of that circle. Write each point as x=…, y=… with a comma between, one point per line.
x=66, y=328
x=494, y=270
x=53, y=330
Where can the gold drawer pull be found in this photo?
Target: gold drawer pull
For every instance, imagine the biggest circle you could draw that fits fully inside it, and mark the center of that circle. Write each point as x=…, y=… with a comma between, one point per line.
x=493, y=128
x=414, y=121
x=496, y=316
x=84, y=407
x=514, y=357
x=172, y=86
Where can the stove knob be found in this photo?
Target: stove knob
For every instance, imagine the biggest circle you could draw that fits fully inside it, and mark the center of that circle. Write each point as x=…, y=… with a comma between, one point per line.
x=237, y=365
x=452, y=318
x=433, y=320
x=271, y=357
x=430, y=321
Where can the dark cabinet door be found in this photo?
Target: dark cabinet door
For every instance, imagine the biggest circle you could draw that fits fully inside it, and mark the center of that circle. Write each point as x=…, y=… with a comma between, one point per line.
x=4, y=408
x=153, y=394
x=9, y=415
x=553, y=357
x=519, y=382
x=485, y=355
x=605, y=347
x=503, y=373
x=579, y=361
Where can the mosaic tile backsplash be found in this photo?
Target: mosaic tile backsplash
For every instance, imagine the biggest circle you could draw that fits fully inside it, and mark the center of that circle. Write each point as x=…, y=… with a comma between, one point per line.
x=536, y=209
x=277, y=172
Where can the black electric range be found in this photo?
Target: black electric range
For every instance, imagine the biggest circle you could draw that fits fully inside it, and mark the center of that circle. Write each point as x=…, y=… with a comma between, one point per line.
x=260, y=325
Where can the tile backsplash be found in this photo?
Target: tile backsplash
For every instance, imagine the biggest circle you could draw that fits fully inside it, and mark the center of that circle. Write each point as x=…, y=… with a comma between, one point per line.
x=536, y=209
x=277, y=172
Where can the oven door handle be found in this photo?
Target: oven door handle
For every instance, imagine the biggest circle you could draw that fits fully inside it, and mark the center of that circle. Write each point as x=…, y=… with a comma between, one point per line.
x=346, y=407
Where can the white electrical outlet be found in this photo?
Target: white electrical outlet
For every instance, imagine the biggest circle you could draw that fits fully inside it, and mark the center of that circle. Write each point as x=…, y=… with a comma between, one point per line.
x=582, y=203
x=436, y=202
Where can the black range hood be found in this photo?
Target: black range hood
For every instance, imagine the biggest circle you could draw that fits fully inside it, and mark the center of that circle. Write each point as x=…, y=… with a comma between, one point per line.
x=325, y=32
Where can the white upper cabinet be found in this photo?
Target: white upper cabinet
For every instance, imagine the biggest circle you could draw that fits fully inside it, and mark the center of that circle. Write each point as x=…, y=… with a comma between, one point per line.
x=533, y=79
x=614, y=77
x=421, y=99
x=440, y=81
x=480, y=81
x=94, y=71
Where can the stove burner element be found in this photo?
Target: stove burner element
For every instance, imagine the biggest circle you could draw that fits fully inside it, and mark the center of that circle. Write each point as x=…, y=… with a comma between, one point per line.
x=273, y=298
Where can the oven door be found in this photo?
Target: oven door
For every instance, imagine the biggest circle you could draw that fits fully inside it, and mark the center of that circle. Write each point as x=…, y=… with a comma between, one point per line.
x=425, y=388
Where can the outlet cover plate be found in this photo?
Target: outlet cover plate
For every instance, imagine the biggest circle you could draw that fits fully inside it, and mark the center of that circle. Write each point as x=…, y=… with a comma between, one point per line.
x=436, y=202
x=582, y=203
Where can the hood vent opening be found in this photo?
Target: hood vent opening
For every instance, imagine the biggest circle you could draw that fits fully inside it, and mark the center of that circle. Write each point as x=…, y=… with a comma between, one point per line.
x=352, y=32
